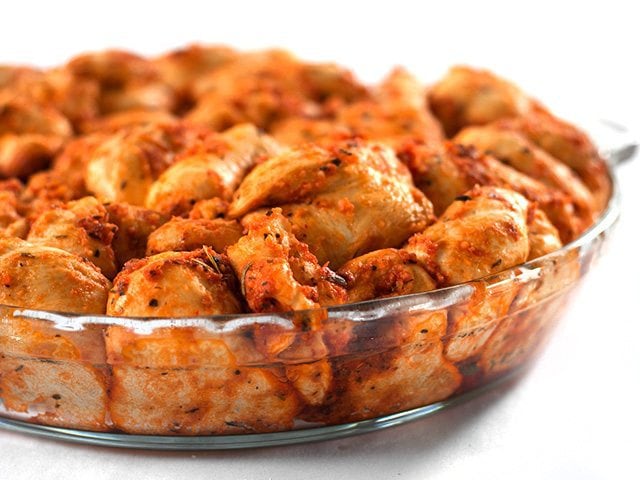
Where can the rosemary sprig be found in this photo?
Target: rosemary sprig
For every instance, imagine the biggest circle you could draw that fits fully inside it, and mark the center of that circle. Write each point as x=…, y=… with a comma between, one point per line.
x=212, y=258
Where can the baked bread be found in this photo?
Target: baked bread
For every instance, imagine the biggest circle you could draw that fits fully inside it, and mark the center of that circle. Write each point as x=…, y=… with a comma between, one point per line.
x=212, y=182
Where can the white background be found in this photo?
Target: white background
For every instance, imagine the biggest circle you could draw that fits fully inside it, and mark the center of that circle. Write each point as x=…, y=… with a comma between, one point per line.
x=576, y=413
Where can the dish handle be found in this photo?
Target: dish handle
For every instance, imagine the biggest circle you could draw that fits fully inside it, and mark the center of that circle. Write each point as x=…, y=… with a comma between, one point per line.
x=617, y=143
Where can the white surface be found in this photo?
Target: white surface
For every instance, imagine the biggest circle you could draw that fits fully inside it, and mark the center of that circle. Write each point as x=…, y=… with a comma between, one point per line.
x=575, y=415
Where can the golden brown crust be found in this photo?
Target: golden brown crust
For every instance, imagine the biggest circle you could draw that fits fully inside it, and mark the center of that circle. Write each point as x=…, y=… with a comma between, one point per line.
x=22, y=115
x=277, y=272
x=10, y=74
x=339, y=200
x=126, y=81
x=447, y=171
x=515, y=150
x=75, y=98
x=343, y=197
x=181, y=68
x=468, y=96
x=46, y=278
x=397, y=113
x=349, y=195
x=127, y=118
x=384, y=273
x=80, y=227
x=71, y=162
x=184, y=284
x=568, y=144
x=212, y=168
x=185, y=234
x=31, y=133
x=257, y=88
x=123, y=166
x=394, y=113
x=483, y=232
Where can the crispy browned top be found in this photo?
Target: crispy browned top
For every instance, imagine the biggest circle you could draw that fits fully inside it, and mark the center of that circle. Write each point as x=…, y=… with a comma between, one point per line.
x=209, y=180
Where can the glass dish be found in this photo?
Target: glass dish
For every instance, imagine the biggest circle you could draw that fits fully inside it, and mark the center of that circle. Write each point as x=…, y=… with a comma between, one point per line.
x=204, y=383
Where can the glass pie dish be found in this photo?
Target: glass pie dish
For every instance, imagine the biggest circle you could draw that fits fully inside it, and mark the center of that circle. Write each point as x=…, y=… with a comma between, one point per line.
x=202, y=383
